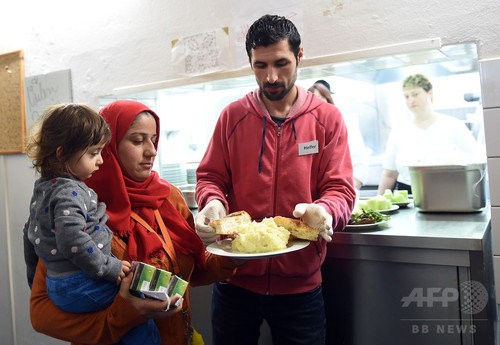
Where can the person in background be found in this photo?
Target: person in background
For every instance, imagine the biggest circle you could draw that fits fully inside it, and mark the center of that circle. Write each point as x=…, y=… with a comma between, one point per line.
x=151, y=223
x=357, y=147
x=67, y=226
x=277, y=151
x=430, y=138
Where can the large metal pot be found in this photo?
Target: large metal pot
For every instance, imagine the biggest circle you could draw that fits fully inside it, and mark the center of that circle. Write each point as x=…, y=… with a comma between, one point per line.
x=449, y=188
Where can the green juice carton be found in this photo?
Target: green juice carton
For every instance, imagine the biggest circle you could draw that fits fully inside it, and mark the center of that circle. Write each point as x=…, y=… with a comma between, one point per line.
x=161, y=280
x=143, y=275
x=157, y=283
x=177, y=286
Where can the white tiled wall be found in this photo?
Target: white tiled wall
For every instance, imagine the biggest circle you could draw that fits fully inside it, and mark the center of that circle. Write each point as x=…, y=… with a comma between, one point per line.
x=490, y=82
x=495, y=235
x=492, y=131
x=490, y=95
x=494, y=180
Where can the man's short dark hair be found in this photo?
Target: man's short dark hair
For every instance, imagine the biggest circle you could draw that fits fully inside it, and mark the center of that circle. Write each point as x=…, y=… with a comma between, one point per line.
x=270, y=29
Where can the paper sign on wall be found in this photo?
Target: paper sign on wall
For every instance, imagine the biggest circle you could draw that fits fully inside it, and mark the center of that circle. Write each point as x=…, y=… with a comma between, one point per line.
x=201, y=53
x=45, y=90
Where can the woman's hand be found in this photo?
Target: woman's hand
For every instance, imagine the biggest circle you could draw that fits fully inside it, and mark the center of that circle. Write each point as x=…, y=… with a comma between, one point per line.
x=148, y=307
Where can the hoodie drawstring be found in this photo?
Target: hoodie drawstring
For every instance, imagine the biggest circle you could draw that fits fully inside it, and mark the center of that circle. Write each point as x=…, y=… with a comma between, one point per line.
x=262, y=145
x=293, y=129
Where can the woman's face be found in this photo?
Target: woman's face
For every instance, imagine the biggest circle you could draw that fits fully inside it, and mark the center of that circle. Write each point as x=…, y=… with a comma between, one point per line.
x=136, y=150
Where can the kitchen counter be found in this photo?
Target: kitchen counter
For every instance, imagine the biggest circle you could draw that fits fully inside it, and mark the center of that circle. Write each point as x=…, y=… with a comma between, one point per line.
x=413, y=229
x=414, y=280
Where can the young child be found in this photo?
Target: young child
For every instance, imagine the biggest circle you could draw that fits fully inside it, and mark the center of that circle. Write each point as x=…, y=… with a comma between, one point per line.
x=67, y=225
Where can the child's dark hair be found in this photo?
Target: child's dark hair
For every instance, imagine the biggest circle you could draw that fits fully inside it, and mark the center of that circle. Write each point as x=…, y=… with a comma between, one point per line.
x=270, y=29
x=73, y=128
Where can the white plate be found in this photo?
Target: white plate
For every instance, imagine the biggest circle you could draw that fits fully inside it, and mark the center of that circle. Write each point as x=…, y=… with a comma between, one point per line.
x=223, y=248
x=402, y=204
x=363, y=227
x=390, y=210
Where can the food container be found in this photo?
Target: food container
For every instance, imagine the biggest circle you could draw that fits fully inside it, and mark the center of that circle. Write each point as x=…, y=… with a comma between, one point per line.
x=188, y=192
x=449, y=188
x=143, y=275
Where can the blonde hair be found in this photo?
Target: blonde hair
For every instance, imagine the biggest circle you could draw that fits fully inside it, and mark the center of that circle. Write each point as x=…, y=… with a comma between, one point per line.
x=72, y=128
x=417, y=80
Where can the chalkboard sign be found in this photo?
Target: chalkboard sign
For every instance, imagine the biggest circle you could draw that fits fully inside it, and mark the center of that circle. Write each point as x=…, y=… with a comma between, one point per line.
x=12, y=118
x=45, y=90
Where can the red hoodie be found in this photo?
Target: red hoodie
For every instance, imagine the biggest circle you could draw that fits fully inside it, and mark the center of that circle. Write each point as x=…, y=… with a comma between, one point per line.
x=253, y=164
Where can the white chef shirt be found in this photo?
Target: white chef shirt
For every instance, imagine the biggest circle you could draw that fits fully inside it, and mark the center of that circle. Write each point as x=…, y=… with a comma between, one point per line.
x=447, y=141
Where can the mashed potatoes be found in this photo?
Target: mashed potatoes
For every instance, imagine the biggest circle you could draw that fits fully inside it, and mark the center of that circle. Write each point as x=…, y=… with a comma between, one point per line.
x=261, y=237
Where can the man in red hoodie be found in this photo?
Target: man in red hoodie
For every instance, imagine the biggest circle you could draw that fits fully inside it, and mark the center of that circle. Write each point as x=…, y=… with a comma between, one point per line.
x=277, y=151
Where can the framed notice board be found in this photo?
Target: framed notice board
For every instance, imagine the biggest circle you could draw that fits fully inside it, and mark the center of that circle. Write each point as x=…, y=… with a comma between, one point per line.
x=12, y=108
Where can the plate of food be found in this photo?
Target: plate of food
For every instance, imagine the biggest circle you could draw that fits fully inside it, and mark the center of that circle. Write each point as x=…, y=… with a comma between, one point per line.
x=403, y=204
x=389, y=210
x=243, y=238
x=364, y=227
x=376, y=203
x=398, y=197
x=367, y=220
x=223, y=248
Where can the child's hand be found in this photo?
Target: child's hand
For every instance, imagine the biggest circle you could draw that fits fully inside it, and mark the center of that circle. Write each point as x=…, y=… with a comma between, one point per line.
x=125, y=267
x=124, y=272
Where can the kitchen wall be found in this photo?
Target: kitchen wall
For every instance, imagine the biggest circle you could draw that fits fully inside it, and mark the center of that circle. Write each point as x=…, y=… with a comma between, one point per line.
x=372, y=105
x=120, y=43
x=490, y=85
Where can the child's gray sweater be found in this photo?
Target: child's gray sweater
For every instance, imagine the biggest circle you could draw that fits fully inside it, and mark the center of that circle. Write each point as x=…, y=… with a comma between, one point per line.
x=67, y=229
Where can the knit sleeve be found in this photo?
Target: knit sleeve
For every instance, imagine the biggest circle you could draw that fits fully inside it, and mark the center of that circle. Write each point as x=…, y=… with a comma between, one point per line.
x=75, y=241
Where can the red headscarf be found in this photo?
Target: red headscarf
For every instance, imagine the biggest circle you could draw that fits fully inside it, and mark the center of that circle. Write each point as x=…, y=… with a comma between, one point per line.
x=121, y=194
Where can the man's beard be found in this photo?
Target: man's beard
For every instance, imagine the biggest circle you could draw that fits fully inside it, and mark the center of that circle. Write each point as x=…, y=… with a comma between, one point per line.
x=280, y=95
x=275, y=96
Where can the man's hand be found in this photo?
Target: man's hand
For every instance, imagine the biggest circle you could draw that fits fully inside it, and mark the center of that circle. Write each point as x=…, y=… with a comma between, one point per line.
x=214, y=209
x=315, y=216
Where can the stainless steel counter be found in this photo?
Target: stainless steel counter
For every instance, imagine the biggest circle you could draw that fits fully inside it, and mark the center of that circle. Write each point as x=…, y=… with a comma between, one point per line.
x=410, y=228
x=366, y=274
x=424, y=256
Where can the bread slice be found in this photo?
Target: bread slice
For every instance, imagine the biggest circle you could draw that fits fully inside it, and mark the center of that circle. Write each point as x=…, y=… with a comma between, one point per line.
x=230, y=224
x=297, y=228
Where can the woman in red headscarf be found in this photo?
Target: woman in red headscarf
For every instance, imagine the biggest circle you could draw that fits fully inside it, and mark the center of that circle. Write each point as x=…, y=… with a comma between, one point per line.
x=151, y=223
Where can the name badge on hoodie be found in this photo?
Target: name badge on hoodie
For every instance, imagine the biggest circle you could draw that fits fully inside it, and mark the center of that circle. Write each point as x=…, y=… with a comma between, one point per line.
x=308, y=148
